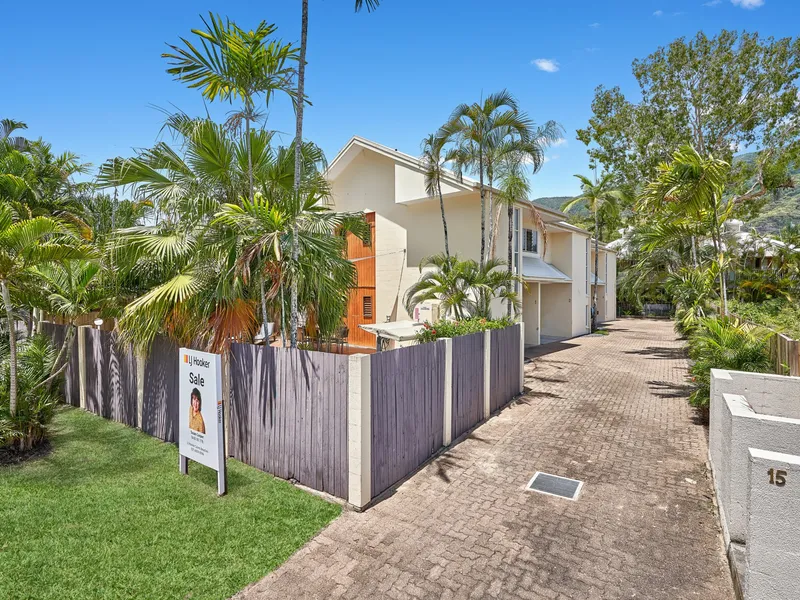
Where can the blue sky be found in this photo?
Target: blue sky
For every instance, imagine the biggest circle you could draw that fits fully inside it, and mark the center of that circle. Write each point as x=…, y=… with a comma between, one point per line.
x=89, y=77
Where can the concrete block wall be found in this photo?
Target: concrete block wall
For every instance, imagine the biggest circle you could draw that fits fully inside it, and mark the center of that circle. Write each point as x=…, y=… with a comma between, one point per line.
x=773, y=527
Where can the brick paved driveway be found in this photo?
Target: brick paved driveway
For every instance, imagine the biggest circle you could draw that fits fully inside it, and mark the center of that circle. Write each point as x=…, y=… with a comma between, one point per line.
x=610, y=411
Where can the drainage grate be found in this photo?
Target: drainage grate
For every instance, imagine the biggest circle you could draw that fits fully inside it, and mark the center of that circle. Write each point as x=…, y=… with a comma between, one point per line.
x=554, y=485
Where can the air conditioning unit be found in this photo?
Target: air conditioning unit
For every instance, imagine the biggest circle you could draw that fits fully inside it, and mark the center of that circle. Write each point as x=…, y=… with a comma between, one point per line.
x=427, y=311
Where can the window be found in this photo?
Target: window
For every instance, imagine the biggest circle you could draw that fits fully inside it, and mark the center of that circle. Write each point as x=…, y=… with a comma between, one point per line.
x=367, y=308
x=530, y=241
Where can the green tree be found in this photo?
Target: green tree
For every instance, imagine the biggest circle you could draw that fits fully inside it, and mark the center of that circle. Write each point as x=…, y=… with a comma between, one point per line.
x=598, y=197
x=298, y=136
x=25, y=245
x=434, y=157
x=687, y=193
x=716, y=94
x=232, y=63
x=463, y=287
x=477, y=128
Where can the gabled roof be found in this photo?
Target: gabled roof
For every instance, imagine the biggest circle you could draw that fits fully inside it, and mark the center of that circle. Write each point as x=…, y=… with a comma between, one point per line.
x=463, y=183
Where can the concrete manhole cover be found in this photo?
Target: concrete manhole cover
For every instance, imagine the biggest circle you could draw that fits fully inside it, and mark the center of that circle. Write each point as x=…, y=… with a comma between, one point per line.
x=554, y=485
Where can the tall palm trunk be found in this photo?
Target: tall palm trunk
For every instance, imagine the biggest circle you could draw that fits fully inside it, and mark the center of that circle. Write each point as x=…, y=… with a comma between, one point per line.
x=444, y=220
x=510, y=249
x=483, y=208
x=596, y=261
x=492, y=224
x=12, y=344
x=249, y=158
x=263, y=306
x=298, y=141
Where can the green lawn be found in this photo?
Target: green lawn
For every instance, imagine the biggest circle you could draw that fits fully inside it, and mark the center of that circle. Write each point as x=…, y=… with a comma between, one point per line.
x=107, y=515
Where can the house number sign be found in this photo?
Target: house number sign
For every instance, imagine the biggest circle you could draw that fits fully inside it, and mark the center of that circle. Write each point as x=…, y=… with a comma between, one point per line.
x=777, y=477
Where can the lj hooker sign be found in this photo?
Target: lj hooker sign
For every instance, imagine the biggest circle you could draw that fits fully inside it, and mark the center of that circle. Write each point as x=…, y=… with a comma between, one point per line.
x=202, y=432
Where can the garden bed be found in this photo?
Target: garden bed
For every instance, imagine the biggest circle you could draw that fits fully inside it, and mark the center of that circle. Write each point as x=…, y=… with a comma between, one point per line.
x=106, y=514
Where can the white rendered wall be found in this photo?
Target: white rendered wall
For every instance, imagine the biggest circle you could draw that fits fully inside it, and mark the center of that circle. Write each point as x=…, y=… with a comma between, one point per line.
x=556, y=312
x=734, y=428
x=530, y=313
x=773, y=529
x=611, y=287
x=580, y=299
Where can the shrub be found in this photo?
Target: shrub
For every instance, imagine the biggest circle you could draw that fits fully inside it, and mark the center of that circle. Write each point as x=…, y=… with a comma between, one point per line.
x=446, y=329
x=35, y=403
x=780, y=314
x=725, y=343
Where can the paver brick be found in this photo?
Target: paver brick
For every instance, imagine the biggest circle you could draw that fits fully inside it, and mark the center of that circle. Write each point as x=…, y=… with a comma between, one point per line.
x=608, y=410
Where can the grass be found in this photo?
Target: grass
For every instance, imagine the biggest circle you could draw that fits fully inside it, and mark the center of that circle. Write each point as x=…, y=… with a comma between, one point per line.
x=107, y=515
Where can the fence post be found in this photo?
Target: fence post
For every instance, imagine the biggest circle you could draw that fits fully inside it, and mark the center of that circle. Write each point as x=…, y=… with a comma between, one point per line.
x=359, y=431
x=447, y=436
x=141, y=359
x=487, y=372
x=521, y=357
x=82, y=366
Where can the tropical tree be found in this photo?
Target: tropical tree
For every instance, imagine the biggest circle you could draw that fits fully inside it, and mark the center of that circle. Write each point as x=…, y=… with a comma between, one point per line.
x=691, y=188
x=477, y=128
x=598, y=197
x=725, y=343
x=25, y=245
x=463, y=287
x=434, y=157
x=9, y=141
x=298, y=137
x=232, y=63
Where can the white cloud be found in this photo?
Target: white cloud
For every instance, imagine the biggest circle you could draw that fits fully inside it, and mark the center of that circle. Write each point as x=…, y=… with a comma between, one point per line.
x=592, y=50
x=559, y=142
x=546, y=64
x=547, y=159
x=596, y=25
x=749, y=4
x=712, y=3
x=658, y=13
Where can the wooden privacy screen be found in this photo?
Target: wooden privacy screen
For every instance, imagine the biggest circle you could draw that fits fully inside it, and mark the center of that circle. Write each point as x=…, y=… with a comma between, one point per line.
x=110, y=377
x=71, y=386
x=289, y=414
x=504, y=372
x=160, y=405
x=407, y=394
x=467, y=382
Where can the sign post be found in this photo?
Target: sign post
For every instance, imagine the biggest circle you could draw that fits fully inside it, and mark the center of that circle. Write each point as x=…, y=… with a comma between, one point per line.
x=201, y=435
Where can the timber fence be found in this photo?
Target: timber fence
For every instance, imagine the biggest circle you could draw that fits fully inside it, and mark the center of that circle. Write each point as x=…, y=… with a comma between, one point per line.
x=351, y=426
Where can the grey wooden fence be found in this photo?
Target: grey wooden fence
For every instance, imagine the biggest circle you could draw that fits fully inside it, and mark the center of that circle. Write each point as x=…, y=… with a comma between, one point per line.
x=407, y=395
x=160, y=404
x=71, y=385
x=467, y=382
x=289, y=414
x=505, y=361
x=111, y=387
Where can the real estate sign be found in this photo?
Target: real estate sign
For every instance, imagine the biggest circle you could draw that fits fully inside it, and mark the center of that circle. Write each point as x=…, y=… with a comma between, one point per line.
x=201, y=433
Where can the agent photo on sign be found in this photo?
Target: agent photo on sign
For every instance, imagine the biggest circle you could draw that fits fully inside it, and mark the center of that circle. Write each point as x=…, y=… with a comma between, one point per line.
x=196, y=422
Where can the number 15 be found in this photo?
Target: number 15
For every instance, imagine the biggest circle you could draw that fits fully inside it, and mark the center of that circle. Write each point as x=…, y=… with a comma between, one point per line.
x=777, y=477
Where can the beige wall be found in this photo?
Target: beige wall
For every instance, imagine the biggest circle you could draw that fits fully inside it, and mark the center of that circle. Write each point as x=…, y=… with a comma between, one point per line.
x=531, y=305
x=580, y=292
x=611, y=287
x=556, y=311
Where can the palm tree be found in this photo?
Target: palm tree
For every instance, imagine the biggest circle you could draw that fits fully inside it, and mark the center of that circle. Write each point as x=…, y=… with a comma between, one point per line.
x=475, y=128
x=597, y=196
x=298, y=137
x=233, y=63
x=463, y=287
x=692, y=187
x=25, y=244
x=7, y=128
x=434, y=157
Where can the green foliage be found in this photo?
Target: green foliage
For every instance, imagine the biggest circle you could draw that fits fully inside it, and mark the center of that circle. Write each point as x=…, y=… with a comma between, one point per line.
x=716, y=94
x=449, y=329
x=725, y=343
x=691, y=291
x=780, y=314
x=464, y=288
x=107, y=515
x=28, y=426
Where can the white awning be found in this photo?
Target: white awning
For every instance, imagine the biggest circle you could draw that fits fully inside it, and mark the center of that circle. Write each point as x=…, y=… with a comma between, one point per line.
x=399, y=331
x=536, y=269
